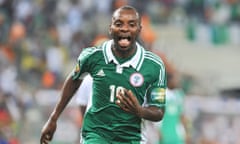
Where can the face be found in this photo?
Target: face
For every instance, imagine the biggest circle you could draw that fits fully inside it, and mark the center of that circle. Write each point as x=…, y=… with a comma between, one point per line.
x=124, y=30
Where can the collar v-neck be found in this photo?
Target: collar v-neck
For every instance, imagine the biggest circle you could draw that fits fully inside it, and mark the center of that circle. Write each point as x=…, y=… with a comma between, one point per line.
x=135, y=61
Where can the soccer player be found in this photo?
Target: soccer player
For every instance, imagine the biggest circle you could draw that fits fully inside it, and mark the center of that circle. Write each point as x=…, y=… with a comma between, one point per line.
x=124, y=75
x=173, y=128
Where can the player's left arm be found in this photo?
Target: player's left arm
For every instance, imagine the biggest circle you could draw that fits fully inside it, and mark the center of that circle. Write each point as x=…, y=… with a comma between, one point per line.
x=128, y=102
x=156, y=99
x=156, y=95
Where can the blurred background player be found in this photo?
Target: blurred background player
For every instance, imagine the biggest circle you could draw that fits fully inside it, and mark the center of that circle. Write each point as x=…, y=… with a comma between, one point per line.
x=173, y=128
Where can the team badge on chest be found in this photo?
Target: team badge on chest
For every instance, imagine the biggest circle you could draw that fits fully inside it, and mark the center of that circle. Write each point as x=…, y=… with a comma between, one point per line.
x=136, y=79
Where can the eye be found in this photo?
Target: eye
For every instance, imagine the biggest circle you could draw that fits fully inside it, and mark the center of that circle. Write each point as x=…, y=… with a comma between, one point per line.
x=132, y=24
x=118, y=24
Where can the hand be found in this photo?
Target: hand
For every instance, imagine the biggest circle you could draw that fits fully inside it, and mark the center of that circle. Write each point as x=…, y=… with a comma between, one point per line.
x=128, y=102
x=48, y=131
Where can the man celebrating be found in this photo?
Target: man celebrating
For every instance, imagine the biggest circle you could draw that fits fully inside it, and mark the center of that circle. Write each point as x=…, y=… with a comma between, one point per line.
x=125, y=76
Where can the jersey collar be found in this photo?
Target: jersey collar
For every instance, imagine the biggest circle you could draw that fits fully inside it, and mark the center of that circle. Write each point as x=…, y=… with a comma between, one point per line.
x=135, y=61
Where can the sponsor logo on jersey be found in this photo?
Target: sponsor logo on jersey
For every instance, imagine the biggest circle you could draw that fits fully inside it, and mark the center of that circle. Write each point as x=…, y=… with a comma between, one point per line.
x=100, y=73
x=158, y=95
x=136, y=79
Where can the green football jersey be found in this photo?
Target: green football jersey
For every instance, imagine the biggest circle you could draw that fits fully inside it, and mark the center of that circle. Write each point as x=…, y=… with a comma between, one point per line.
x=144, y=74
x=171, y=128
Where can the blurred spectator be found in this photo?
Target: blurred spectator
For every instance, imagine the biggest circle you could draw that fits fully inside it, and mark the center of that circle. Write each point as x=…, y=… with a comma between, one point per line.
x=7, y=53
x=75, y=17
x=78, y=42
x=48, y=79
x=99, y=39
x=17, y=32
x=147, y=34
x=196, y=9
x=55, y=56
x=6, y=6
x=118, y=3
x=149, y=37
x=4, y=28
x=49, y=11
x=140, y=6
x=235, y=11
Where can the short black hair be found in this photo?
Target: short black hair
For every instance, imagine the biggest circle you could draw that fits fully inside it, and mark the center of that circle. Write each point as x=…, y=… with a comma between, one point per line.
x=128, y=7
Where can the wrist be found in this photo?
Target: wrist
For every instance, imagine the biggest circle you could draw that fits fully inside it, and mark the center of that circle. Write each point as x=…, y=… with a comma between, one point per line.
x=140, y=112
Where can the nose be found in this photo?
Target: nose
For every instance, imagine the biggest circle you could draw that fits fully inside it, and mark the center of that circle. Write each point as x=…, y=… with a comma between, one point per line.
x=124, y=27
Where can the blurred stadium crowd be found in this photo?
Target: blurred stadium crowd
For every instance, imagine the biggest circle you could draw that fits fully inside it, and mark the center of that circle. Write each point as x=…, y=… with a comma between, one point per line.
x=40, y=40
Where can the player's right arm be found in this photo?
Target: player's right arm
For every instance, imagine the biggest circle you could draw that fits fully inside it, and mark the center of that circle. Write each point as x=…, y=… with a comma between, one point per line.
x=69, y=88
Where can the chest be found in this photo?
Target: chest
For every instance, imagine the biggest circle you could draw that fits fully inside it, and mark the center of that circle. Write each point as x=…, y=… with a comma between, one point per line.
x=119, y=75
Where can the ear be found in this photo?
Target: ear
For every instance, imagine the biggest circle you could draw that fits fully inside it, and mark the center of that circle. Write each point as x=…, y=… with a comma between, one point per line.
x=140, y=28
x=110, y=30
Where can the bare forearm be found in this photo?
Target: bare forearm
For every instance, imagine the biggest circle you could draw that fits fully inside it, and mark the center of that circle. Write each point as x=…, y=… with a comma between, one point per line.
x=68, y=90
x=151, y=113
x=128, y=102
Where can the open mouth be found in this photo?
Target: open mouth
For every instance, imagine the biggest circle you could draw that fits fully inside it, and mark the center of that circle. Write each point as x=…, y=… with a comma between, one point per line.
x=125, y=37
x=124, y=41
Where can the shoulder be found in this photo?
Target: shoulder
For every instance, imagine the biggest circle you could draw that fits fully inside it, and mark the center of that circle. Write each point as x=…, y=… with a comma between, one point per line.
x=88, y=52
x=153, y=58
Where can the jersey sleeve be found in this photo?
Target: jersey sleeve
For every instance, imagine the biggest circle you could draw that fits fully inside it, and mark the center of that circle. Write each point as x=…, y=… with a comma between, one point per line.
x=82, y=66
x=156, y=93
